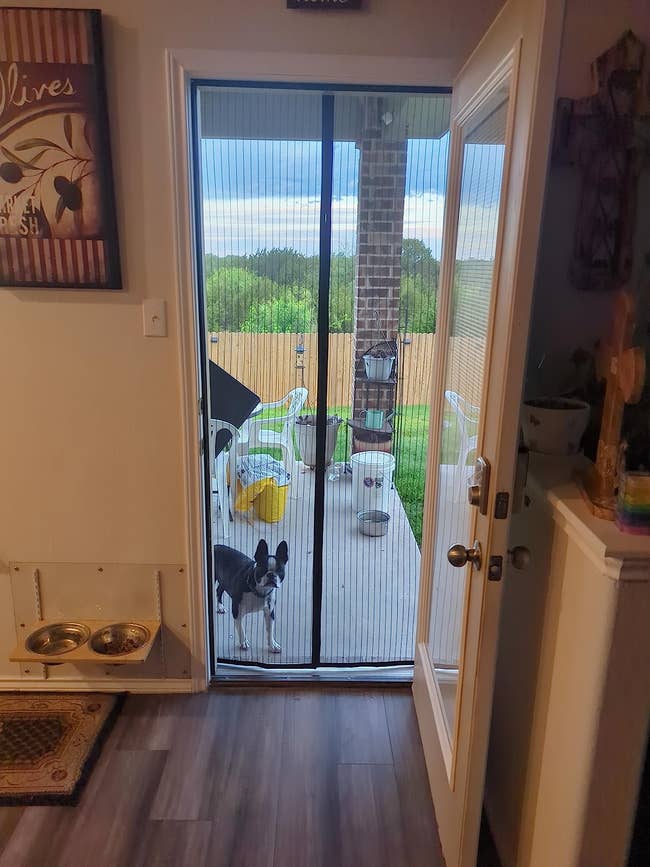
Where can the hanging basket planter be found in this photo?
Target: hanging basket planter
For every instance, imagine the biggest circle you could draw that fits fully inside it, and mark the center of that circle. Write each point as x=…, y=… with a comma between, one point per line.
x=378, y=368
x=306, y=438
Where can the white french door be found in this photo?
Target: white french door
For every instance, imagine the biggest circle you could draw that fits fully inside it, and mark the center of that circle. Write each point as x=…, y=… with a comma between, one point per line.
x=502, y=110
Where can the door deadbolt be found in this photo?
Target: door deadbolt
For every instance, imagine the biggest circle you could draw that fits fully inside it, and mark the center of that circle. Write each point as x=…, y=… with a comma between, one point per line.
x=478, y=485
x=459, y=555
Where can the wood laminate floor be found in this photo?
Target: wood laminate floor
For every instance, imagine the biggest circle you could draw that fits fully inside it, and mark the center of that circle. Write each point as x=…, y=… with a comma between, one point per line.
x=248, y=777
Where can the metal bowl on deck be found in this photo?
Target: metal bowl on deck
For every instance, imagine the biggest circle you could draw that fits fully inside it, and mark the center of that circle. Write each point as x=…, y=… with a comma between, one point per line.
x=57, y=638
x=373, y=522
x=118, y=639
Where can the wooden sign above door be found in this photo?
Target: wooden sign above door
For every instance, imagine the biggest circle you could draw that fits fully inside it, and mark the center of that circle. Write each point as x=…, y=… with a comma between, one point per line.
x=324, y=4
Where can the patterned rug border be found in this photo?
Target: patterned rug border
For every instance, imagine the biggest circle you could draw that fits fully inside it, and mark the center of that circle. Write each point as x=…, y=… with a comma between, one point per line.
x=72, y=798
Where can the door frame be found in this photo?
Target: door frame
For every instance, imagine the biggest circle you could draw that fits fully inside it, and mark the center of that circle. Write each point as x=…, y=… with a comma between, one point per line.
x=327, y=93
x=182, y=67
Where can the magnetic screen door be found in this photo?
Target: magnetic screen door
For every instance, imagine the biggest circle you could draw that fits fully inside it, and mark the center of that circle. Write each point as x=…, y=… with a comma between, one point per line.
x=320, y=228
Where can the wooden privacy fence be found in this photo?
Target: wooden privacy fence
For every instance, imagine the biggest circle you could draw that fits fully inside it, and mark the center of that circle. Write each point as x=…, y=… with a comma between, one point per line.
x=266, y=363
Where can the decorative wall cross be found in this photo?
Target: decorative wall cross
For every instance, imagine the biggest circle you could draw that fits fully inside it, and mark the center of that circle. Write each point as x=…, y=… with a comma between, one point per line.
x=606, y=136
x=622, y=366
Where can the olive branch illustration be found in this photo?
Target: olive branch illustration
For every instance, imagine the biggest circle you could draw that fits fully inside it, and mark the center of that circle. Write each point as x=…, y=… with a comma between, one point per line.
x=20, y=166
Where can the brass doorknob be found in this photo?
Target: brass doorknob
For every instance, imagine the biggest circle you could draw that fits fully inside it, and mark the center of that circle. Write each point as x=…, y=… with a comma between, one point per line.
x=459, y=555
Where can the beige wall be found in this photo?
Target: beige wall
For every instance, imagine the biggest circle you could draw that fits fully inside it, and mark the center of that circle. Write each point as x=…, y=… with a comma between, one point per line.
x=91, y=436
x=563, y=317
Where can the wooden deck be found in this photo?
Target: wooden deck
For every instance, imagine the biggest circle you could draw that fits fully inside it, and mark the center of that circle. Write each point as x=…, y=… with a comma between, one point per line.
x=370, y=584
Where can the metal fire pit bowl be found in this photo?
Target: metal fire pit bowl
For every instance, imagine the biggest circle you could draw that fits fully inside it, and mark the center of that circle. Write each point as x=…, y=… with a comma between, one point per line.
x=57, y=638
x=119, y=639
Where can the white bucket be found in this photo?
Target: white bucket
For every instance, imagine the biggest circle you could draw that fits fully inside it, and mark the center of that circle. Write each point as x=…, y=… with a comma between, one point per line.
x=372, y=479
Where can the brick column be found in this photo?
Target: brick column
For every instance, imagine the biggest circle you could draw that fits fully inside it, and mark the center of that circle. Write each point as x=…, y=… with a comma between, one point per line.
x=382, y=179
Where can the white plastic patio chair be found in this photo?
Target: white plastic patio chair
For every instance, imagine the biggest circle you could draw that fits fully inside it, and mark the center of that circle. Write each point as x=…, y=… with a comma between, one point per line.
x=225, y=460
x=466, y=415
x=254, y=434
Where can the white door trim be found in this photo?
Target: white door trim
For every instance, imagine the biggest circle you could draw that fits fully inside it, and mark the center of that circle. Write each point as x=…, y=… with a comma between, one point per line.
x=187, y=313
x=183, y=65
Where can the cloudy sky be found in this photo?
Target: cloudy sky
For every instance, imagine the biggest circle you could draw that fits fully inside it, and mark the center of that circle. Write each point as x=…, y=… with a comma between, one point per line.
x=263, y=194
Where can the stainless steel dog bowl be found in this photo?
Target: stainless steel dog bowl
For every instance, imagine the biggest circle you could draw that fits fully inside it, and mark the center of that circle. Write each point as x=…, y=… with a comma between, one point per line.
x=118, y=639
x=57, y=638
x=373, y=522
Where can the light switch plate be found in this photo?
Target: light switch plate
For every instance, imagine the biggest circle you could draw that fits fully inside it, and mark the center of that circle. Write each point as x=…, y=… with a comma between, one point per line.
x=154, y=317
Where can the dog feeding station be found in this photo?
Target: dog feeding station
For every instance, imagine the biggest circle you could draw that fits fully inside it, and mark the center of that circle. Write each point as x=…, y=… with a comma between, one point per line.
x=65, y=630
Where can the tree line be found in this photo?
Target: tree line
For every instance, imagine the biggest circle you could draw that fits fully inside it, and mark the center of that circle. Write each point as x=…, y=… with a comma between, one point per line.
x=277, y=291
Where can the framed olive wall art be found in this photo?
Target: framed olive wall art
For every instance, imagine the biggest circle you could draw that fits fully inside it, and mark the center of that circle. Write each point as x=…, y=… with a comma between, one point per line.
x=57, y=206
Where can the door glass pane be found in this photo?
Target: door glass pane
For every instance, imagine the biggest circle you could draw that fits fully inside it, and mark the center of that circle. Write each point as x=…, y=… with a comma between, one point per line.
x=471, y=303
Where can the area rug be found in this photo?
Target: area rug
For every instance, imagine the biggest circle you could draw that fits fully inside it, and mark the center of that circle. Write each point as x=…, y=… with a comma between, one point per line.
x=49, y=744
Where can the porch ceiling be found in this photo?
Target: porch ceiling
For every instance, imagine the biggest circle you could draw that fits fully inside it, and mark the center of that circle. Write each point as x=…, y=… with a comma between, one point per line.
x=295, y=115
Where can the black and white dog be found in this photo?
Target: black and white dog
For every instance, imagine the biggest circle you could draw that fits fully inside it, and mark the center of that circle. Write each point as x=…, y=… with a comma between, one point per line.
x=251, y=584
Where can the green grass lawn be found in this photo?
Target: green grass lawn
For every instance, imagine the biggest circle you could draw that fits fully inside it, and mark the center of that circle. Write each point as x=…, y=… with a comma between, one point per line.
x=411, y=442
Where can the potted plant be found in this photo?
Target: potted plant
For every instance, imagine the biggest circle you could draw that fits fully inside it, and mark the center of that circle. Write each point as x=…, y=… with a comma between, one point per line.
x=306, y=438
x=563, y=424
x=379, y=359
x=379, y=364
x=554, y=425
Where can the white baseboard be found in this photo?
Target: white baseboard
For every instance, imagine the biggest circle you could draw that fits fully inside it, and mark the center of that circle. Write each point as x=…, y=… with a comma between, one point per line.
x=20, y=684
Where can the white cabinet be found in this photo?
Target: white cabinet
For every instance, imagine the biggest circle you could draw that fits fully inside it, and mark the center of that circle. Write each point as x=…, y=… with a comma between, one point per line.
x=572, y=689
